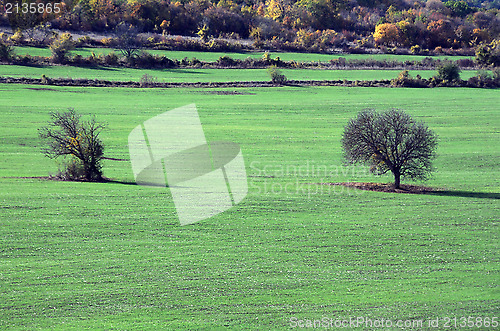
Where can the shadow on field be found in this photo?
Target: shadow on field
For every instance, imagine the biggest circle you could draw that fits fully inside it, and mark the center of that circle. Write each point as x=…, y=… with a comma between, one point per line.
x=466, y=194
x=111, y=181
x=186, y=71
x=100, y=68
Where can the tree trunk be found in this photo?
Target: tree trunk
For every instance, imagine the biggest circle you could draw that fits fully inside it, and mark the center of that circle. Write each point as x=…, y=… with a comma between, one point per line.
x=397, y=179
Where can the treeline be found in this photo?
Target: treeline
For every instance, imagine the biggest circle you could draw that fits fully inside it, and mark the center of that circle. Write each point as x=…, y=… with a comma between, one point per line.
x=314, y=25
x=132, y=55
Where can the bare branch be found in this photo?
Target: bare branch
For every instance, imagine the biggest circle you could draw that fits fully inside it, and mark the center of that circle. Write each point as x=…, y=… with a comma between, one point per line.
x=390, y=141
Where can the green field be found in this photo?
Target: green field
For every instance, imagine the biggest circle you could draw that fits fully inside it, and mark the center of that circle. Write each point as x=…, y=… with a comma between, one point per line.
x=112, y=255
x=207, y=75
x=213, y=56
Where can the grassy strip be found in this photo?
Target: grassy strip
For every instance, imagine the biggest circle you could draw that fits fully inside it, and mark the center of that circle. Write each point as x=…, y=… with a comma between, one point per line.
x=203, y=74
x=214, y=56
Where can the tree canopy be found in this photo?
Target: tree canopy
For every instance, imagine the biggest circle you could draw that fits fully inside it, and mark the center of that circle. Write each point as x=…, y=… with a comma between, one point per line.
x=390, y=141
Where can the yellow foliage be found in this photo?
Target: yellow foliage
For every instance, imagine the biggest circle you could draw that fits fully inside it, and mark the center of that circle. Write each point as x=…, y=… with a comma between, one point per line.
x=274, y=9
x=386, y=33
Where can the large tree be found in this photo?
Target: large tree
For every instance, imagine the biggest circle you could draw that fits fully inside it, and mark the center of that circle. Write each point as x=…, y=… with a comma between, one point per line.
x=67, y=135
x=390, y=141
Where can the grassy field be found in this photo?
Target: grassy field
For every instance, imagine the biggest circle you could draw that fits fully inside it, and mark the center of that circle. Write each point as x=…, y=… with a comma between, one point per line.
x=213, y=56
x=207, y=75
x=112, y=255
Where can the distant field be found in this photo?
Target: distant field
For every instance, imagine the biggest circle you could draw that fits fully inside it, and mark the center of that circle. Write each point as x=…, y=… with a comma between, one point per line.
x=213, y=56
x=112, y=256
x=207, y=75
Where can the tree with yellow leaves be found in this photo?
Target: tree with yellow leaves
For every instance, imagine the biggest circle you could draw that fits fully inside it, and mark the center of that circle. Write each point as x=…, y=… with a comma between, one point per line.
x=386, y=34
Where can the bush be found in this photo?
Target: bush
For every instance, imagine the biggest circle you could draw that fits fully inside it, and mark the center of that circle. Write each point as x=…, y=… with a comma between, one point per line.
x=6, y=51
x=83, y=41
x=405, y=80
x=148, y=80
x=276, y=76
x=111, y=59
x=449, y=71
x=61, y=46
x=72, y=169
x=416, y=49
x=226, y=61
x=17, y=38
x=489, y=54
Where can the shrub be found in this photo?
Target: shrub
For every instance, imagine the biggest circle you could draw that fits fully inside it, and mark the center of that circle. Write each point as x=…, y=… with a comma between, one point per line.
x=83, y=41
x=144, y=60
x=148, y=80
x=111, y=59
x=276, y=76
x=71, y=168
x=45, y=80
x=61, y=46
x=6, y=51
x=17, y=38
x=449, y=71
x=489, y=54
x=226, y=61
x=416, y=49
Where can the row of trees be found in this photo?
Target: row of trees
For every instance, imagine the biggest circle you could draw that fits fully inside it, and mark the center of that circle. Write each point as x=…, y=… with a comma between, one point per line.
x=390, y=141
x=429, y=24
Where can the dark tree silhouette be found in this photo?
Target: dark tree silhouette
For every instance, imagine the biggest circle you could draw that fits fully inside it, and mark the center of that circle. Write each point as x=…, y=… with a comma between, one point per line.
x=66, y=134
x=390, y=141
x=127, y=40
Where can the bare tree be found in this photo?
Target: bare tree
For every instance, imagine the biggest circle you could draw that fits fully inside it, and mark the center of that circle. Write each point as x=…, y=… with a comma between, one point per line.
x=127, y=40
x=67, y=134
x=390, y=141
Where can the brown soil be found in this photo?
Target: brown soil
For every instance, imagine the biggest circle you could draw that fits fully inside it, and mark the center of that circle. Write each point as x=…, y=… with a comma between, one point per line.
x=379, y=187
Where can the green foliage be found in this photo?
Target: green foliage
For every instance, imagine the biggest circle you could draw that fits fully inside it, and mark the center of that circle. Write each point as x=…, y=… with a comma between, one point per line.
x=276, y=76
x=489, y=54
x=449, y=71
x=61, y=46
x=459, y=7
x=6, y=50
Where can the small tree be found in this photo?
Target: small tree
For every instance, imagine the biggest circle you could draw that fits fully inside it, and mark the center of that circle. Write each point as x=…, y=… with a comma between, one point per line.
x=489, y=54
x=390, y=141
x=67, y=134
x=203, y=33
x=276, y=76
x=127, y=40
x=6, y=50
x=61, y=46
x=449, y=71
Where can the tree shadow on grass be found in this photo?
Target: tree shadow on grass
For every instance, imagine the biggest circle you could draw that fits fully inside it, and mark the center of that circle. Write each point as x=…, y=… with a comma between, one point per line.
x=112, y=181
x=185, y=71
x=466, y=194
x=101, y=68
